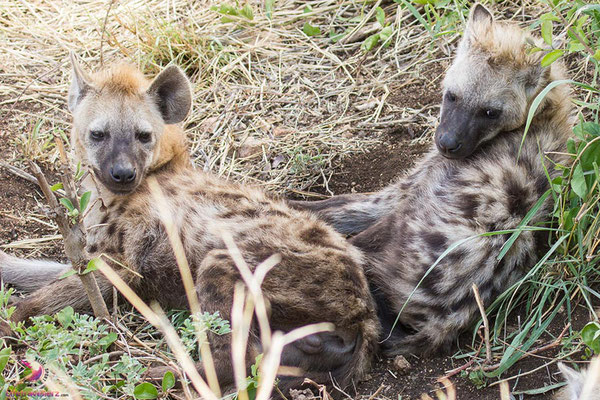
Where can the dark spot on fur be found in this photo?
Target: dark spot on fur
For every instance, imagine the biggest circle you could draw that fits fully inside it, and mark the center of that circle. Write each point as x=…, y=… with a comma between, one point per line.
x=436, y=241
x=462, y=303
x=104, y=219
x=468, y=204
x=92, y=249
x=315, y=236
x=111, y=229
x=429, y=282
x=516, y=197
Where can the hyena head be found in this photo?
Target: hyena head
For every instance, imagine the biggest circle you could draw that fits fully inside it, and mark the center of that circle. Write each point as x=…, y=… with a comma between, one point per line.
x=489, y=86
x=119, y=119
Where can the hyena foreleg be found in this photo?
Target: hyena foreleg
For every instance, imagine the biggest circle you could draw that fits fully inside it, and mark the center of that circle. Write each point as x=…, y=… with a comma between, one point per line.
x=351, y=214
x=29, y=275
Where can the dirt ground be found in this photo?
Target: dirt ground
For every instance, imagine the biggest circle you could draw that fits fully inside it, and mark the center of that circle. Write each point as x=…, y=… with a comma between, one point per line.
x=370, y=171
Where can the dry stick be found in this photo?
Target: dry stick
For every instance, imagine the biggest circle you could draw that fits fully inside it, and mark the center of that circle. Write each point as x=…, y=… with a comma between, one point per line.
x=486, y=327
x=74, y=240
x=18, y=172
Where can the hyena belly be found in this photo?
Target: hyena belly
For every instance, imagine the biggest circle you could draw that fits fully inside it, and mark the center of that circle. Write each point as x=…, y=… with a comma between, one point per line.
x=447, y=202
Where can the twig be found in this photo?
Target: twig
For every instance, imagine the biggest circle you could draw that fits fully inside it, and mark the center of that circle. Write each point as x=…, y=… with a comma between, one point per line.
x=18, y=172
x=74, y=236
x=486, y=328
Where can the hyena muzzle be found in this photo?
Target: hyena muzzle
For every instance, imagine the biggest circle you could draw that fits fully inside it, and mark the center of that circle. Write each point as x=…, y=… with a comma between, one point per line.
x=478, y=177
x=124, y=132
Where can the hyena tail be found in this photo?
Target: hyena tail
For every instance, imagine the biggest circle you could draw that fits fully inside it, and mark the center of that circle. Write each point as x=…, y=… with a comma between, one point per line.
x=329, y=359
x=351, y=214
x=29, y=275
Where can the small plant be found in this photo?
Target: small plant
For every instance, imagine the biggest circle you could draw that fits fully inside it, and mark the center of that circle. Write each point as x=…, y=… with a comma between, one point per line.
x=383, y=36
x=590, y=334
x=234, y=13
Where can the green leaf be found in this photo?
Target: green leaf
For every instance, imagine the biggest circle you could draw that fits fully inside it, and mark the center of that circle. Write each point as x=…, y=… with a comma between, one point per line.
x=168, y=381
x=68, y=274
x=65, y=316
x=269, y=7
x=547, y=32
x=4, y=355
x=56, y=187
x=247, y=12
x=335, y=36
x=597, y=55
x=67, y=203
x=380, y=15
x=386, y=33
x=588, y=334
x=551, y=57
x=145, y=391
x=310, y=30
x=91, y=266
x=108, y=340
x=578, y=182
x=84, y=201
x=370, y=42
x=307, y=9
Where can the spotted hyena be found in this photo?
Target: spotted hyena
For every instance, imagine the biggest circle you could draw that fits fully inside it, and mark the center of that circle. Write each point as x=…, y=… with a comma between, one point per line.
x=480, y=176
x=124, y=132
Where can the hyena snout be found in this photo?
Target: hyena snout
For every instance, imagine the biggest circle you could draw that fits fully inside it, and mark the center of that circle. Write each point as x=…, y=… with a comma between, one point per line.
x=123, y=173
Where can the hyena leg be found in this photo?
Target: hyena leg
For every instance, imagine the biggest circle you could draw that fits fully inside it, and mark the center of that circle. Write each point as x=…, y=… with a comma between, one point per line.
x=351, y=214
x=29, y=275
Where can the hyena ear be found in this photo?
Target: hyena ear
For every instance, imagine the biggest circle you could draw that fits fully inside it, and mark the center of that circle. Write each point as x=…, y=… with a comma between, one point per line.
x=79, y=84
x=172, y=93
x=535, y=78
x=479, y=23
x=575, y=380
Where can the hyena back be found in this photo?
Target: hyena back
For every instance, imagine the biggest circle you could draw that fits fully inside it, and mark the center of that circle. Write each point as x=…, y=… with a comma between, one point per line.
x=479, y=177
x=124, y=133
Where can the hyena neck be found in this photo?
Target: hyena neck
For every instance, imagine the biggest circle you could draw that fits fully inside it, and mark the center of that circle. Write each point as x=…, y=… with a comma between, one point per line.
x=172, y=151
x=557, y=109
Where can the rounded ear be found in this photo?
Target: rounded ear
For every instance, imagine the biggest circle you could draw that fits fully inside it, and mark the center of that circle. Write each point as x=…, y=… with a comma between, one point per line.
x=79, y=84
x=172, y=94
x=479, y=23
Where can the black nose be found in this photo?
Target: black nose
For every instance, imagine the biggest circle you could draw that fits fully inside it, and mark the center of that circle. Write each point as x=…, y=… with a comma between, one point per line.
x=449, y=143
x=122, y=174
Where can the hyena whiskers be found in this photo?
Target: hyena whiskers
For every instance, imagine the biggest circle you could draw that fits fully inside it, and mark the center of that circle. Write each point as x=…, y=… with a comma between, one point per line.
x=477, y=178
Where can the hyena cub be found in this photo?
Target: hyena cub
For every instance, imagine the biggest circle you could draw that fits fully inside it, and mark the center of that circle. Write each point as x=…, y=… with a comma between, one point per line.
x=476, y=179
x=124, y=133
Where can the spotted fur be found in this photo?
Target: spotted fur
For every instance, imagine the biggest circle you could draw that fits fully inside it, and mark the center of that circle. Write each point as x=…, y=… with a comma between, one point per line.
x=320, y=277
x=481, y=180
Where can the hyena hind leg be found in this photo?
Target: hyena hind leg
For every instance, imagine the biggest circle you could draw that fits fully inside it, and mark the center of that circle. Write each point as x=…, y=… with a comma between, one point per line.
x=29, y=275
x=351, y=214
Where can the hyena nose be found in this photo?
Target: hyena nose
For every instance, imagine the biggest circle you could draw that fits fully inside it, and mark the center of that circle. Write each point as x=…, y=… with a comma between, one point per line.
x=121, y=174
x=449, y=143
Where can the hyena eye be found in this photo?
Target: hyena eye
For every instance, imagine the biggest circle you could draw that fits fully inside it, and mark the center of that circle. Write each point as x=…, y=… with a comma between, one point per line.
x=143, y=137
x=97, y=135
x=492, y=113
x=450, y=96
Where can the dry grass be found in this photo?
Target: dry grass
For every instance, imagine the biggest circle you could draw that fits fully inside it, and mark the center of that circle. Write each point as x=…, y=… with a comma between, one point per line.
x=271, y=105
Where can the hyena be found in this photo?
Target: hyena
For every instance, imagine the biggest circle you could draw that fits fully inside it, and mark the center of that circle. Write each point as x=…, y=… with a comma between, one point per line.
x=579, y=382
x=124, y=132
x=480, y=176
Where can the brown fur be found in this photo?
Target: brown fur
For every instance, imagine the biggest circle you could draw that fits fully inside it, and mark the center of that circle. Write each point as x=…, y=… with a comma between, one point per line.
x=319, y=279
x=450, y=197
